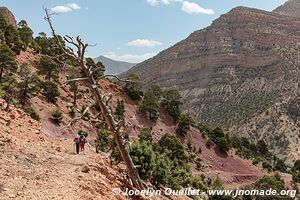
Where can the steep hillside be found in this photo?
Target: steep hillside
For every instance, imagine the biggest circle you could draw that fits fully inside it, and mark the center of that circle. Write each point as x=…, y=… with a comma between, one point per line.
x=38, y=160
x=113, y=66
x=243, y=64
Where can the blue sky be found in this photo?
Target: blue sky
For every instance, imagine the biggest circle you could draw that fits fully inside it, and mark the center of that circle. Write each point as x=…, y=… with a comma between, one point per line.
x=128, y=30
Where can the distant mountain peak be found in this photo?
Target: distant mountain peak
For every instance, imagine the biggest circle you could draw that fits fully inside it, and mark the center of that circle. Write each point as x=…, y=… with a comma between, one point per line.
x=289, y=8
x=114, y=66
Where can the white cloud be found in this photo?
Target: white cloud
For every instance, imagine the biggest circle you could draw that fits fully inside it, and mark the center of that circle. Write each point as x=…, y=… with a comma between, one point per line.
x=133, y=58
x=144, y=43
x=153, y=2
x=65, y=8
x=73, y=6
x=61, y=9
x=166, y=2
x=157, y=2
x=188, y=7
x=193, y=8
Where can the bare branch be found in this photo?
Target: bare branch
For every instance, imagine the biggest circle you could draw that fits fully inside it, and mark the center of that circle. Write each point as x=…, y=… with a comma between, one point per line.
x=77, y=79
x=70, y=40
x=48, y=19
x=71, y=122
x=121, y=80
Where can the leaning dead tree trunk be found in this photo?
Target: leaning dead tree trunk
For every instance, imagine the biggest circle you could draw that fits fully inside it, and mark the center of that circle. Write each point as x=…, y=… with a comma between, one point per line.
x=111, y=123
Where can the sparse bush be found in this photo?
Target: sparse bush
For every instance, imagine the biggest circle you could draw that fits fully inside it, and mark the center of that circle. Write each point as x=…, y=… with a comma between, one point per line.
x=104, y=140
x=198, y=163
x=280, y=165
x=15, y=102
x=235, y=142
x=297, y=165
x=83, y=133
x=267, y=166
x=199, y=150
x=255, y=161
x=57, y=116
x=197, y=183
x=33, y=114
x=262, y=147
x=296, y=177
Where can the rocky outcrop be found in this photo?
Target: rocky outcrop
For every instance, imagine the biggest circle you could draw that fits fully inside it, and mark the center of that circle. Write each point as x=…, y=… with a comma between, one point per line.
x=233, y=71
x=8, y=15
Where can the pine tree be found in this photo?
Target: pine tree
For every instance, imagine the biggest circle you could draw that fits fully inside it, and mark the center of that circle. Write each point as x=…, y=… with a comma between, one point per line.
x=51, y=91
x=7, y=90
x=150, y=103
x=184, y=124
x=25, y=32
x=171, y=102
x=98, y=67
x=49, y=68
x=13, y=40
x=143, y=156
x=29, y=83
x=7, y=61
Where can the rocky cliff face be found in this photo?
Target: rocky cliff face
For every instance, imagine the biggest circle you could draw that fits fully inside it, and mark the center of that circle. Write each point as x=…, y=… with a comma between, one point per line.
x=230, y=73
x=9, y=17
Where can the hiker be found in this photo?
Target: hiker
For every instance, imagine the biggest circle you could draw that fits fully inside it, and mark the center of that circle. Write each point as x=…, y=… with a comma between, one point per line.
x=77, y=143
x=82, y=142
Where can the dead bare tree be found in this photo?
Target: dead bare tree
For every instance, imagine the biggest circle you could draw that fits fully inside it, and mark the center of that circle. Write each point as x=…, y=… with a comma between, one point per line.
x=113, y=125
